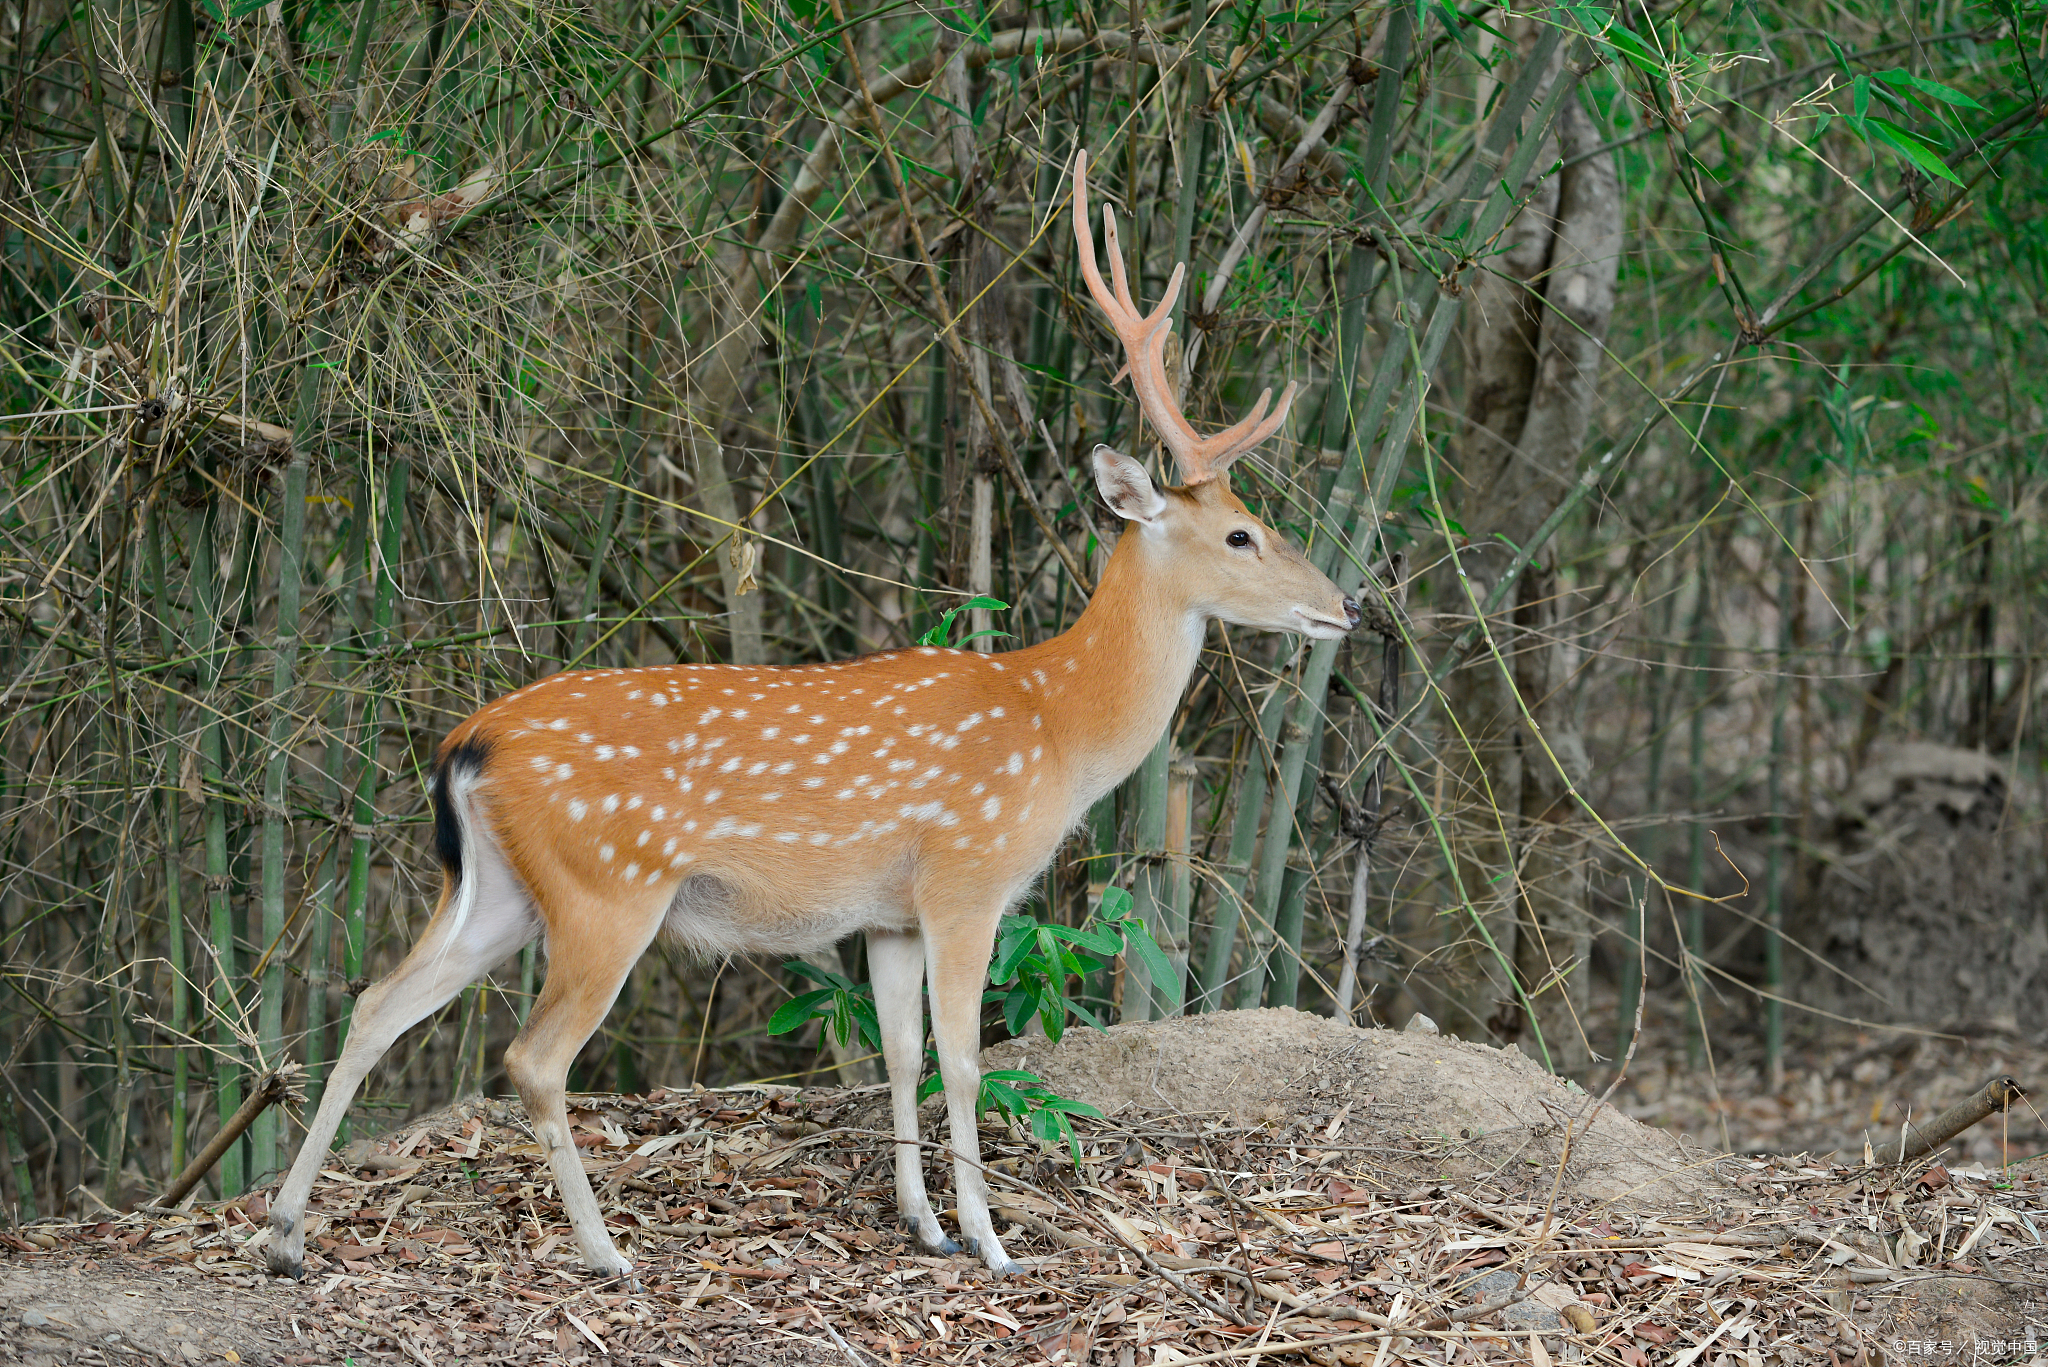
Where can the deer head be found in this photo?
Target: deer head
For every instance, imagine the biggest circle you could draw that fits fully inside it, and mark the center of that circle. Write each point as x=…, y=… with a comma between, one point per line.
x=1200, y=539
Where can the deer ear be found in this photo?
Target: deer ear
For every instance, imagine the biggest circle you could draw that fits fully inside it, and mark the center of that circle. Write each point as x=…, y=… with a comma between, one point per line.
x=1126, y=488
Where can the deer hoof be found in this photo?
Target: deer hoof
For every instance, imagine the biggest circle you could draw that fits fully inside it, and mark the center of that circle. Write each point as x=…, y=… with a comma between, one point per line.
x=284, y=1263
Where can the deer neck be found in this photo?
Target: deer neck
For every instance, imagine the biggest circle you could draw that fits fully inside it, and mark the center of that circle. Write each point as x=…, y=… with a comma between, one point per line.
x=1114, y=679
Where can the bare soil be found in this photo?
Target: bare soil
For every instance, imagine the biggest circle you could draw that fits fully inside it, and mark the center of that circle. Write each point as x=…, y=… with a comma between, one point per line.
x=1261, y=1178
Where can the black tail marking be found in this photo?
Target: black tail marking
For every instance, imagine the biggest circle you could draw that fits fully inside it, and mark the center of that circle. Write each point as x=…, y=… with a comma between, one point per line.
x=470, y=756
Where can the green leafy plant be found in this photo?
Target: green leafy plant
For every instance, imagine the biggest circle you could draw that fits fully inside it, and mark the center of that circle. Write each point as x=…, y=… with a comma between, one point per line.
x=938, y=634
x=1034, y=959
x=1023, y=1096
x=846, y=1007
x=1908, y=96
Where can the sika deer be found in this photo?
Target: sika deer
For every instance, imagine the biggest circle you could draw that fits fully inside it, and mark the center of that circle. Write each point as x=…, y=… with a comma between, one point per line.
x=912, y=795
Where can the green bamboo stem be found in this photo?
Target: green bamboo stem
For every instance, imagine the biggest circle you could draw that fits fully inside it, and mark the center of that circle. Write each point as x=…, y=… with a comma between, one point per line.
x=1244, y=837
x=169, y=641
x=1270, y=942
x=1179, y=899
x=1386, y=106
x=1283, y=965
x=335, y=798
x=118, y=899
x=306, y=426
x=117, y=908
x=1146, y=793
x=84, y=32
x=320, y=946
x=1099, y=988
x=363, y=823
x=1631, y=967
x=930, y=474
x=226, y=1007
x=175, y=954
x=179, y=62
x=1660, y=686
x=1195, y=161
x=275, y=838
x=1790, y=582
x=1696, y=853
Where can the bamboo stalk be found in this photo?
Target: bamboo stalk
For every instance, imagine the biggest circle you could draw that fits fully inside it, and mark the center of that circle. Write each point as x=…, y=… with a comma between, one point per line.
x=1276, y=940
x=118, y=906
x=168, y=639
x=1179, y=894
x=1146, y=792
x=265, y=1151
x=225, y=1008
x=827, y=533
x=1660, y=687
x=1283, y=965
x=1195, y=163
x=324, y=894
x=1789, y=583
x=1250, y=797
x=384, y=571
x=1696, y=835
x=1991, y=1099
x=338, y=794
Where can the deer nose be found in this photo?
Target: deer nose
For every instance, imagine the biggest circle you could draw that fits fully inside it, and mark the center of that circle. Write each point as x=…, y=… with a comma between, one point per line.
x=1351, y=613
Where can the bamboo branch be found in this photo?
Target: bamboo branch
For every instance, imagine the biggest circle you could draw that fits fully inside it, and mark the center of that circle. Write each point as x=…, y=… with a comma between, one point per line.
x=269, y=1090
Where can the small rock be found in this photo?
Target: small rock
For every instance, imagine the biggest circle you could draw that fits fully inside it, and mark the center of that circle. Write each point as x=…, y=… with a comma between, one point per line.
x=1419, y=1024
x=190, y=1352
x=33, y=1319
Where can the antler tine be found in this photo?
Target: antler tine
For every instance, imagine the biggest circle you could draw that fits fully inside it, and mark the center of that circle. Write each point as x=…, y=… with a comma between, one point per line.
x=1091, y=274
x=1131, y=327
x=1242, y=436
x=1117, y=276
x=1144, y=337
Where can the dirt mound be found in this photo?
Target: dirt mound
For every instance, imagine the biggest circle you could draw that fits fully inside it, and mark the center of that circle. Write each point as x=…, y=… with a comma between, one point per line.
x=1438, y=1108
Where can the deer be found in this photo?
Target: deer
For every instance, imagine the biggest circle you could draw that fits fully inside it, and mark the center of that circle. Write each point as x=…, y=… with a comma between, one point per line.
x=913, y=795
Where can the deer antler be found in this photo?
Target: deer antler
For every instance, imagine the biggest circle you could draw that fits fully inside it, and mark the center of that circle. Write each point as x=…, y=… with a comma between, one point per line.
x=1144, y=337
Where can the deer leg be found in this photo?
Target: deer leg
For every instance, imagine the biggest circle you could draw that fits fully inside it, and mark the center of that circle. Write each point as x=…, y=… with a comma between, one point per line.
x=896, y=968
x=589, y=956
x=447, y=959
x=957, y=947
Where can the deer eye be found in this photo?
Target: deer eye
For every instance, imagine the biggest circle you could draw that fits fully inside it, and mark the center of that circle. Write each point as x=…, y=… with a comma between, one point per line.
x=1239, y=538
